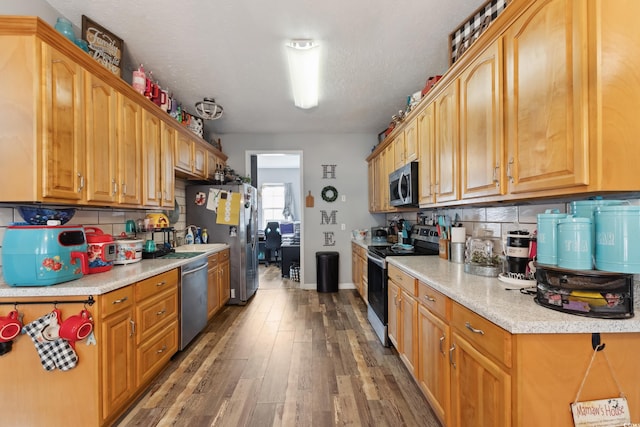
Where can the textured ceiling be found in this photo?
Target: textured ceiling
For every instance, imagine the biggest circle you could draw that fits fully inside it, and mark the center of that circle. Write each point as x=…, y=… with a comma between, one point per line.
x=374, y=54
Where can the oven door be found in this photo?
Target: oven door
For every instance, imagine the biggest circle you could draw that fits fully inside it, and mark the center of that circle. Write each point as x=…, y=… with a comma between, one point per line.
x=377, y=312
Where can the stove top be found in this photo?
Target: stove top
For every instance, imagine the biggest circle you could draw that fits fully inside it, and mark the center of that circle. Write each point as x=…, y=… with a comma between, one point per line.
x=424, y=241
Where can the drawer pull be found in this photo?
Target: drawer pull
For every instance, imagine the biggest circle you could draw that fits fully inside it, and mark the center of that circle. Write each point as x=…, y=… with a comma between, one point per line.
x=133, y=327
x=161, y=283
x=162, y=350
x=119, y=301
x=441, y=342
x=453, y=347
x=161, y=312
x=429, y=298
x=472, y=329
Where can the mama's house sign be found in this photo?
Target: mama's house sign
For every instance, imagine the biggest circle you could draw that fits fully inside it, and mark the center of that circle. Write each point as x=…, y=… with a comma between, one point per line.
x=104, y=46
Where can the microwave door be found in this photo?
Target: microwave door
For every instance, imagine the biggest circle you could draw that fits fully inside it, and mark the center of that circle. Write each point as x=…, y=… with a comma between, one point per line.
x=404, y=188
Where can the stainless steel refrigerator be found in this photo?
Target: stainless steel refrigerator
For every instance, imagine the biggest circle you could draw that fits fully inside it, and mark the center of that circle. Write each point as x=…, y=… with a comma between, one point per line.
x=242, y=237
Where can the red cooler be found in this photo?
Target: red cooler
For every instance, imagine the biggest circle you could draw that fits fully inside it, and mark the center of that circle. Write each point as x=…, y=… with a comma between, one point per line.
x=101, y=250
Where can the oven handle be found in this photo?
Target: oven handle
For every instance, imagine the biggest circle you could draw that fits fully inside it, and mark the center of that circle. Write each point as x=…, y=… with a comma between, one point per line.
x=380, y=262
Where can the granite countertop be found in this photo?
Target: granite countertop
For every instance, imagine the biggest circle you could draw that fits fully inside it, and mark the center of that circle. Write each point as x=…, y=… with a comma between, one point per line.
x=101, y=283
x=365, y=243
x=509, y=309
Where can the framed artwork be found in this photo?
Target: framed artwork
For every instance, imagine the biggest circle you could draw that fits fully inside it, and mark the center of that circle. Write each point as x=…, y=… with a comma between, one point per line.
x=104, y=46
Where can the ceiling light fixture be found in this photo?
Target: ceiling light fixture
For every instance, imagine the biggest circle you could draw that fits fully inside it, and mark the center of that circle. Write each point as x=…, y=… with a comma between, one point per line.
x=208, y=109
x=304, y=62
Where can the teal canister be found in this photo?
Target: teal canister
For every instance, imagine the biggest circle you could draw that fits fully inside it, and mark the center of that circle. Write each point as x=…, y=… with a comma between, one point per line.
x=587, y=209
x=64, y=26
x=618, y=239
x=547, y=239
x=575, y=243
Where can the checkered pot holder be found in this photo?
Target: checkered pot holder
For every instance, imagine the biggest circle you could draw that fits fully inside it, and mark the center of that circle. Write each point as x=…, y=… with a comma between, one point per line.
x=54, y=351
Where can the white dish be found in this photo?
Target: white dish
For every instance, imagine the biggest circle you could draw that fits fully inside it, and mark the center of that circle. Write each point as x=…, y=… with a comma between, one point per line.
x=511, y=283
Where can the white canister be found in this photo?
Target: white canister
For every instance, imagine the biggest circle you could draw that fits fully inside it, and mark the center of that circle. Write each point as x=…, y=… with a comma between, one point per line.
x=128, y=251
x=574, y=244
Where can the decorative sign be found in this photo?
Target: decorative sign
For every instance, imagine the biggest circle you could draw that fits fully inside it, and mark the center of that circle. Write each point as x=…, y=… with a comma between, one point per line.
x=328, y=219
x=104, y=46
x=612, y=412
x=329, y=194
x=329, y=171
x=329, y=238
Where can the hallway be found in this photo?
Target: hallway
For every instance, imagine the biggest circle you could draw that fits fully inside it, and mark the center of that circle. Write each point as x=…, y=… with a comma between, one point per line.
x=290, y=357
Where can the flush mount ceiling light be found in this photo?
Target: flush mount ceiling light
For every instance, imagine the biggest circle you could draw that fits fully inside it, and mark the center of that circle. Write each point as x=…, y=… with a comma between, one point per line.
x=208, y=109
x=304, y=62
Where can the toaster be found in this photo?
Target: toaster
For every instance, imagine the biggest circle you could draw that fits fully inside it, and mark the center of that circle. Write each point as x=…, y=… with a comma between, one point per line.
x=37, y=255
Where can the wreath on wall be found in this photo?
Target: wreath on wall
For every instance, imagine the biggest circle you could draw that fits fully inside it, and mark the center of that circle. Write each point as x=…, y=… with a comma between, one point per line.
x=329, y=194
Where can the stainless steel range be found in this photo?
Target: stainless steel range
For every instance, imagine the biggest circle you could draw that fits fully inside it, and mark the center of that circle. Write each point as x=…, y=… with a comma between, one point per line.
x=424, y=241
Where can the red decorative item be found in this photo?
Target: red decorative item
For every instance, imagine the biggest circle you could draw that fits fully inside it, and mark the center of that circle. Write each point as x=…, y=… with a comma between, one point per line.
x=431, y=81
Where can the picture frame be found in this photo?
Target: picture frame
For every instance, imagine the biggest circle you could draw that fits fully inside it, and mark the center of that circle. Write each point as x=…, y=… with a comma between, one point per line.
x=104, y=46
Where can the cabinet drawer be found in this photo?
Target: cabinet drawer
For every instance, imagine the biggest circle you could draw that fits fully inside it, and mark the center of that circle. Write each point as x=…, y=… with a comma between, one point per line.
x=115, y=301
x=438, y=303
x=402, y=279
x=223, y=255
x=486, y=336
x=155, y=284
x=153, y=314
x=153, y=355
x=212, y=260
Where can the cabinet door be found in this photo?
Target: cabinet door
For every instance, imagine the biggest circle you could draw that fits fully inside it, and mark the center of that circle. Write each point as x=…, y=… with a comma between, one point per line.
x=411, y=148
x=398, y=151
x=213, y=290
x=184, y=153
x=62, y=133
x=433, y=363
x=387, y=167
x=167, y=165
x=118, y=361
x=151, y=160
x=446, y=127
x=371, y=175
x=481, y=390
x=481, y=151
x=212, y=164
x=225, y=285
x=129, y=151
x=546, y=83
x=409, y=328
x=393, y=326
x=100, y=143
x=426, y=141
x=199, y=161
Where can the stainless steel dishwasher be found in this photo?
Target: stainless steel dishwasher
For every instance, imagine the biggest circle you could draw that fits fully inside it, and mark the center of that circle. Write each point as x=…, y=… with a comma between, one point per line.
x=193, y=300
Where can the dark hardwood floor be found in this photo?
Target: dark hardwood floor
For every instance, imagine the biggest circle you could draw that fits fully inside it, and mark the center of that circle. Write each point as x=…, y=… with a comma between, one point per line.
x=290, y=357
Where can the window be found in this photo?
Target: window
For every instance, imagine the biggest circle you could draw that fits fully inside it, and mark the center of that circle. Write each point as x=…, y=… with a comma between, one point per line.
x=272, y=203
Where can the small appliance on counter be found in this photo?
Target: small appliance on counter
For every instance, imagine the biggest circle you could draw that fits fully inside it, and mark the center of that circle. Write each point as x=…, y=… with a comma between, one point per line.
x=128, y=251
x=101, y=250
x=379, y=235
x=40, y=255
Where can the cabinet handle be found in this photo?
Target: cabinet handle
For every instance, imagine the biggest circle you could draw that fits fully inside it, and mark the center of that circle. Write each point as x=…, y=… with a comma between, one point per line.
x=472, y=329
x=442, y=342
x=162, y=350
x=133, y=327
x=161, y=283
x=81, y=182
x=429, y=298
x=121, y=300
x=495, y=175
x=509, y=166
x=115, y=187
x=124, y=189
x=161, y=312
x=453, y=347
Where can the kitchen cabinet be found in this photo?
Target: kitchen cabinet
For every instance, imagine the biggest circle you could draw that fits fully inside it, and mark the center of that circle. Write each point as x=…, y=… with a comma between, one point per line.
x=393, y=326
x=167, y=174
x=129, y=142
x=426, y=142
x=214, y=163
x=546, y=100
x=403, y=316
x=387, y=166
x=213, y=286
x=190, y=157
x=481, y=143
x=405, y=145
x=100, y=143
x=224, y=277
x=434, y=340
x=157, y=165
x=447, y=144
x=64, y=172
x=359, y=270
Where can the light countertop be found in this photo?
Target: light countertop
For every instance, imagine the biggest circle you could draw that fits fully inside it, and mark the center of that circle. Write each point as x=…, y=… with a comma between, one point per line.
x=509, y=309
x=101, y=283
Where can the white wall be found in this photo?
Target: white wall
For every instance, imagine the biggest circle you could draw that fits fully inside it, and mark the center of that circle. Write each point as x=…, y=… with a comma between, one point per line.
x=30, y=8
x=348, y=153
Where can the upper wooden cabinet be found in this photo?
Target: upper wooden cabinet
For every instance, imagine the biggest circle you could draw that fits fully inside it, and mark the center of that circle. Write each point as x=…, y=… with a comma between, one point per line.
x=426, y=141
x=546, y=97
x=446, y=144
x=405, y=145
x=75, y=133
x=190, y=157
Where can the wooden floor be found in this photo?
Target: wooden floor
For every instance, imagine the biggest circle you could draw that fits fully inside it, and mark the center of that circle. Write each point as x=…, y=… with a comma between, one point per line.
x=290, y=357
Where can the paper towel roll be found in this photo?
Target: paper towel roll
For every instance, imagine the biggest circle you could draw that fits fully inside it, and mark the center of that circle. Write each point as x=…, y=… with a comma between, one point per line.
x=458, y=235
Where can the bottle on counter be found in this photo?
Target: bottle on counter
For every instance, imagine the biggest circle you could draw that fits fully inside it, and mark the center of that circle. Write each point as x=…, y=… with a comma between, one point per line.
x=188, y=238
x=205, y=235
x=198, y=237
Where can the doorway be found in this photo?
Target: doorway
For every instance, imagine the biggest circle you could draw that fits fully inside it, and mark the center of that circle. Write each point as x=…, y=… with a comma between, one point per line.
x=278, y=177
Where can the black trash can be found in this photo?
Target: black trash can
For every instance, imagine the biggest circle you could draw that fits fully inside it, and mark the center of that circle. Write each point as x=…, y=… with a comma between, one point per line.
x=327, y=271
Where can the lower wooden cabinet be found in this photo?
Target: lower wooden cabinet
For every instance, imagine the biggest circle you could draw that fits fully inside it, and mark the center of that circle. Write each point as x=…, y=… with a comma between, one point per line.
x=403, y=317
x=224, y=277
x=359, y=273
x=218, y=282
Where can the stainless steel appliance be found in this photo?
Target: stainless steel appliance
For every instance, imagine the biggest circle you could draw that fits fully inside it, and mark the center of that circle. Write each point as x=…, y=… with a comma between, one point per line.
x=242, y=237
x=403, y=185
x=193, y=300
x=424, y=240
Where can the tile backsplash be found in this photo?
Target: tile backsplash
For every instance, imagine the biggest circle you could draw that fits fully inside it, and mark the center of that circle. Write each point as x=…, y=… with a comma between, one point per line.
x=110, y=221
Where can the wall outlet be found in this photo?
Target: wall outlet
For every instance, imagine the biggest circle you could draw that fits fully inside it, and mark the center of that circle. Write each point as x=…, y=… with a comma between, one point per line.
x=343, y=227
x=233, y=293
x=343, y=198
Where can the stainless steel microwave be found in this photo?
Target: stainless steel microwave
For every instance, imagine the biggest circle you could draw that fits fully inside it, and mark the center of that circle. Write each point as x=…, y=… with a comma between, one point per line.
x=403, y=185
